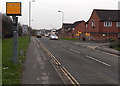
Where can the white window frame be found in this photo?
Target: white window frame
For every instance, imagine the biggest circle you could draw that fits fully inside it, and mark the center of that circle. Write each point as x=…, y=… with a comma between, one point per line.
x=86, y=25
x=93, y=23
x=117, y=24
x=107, y=24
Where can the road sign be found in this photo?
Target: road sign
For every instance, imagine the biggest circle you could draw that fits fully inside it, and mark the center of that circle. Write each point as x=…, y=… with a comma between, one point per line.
x=13, y=8
x=79, y=32
x=88, y=34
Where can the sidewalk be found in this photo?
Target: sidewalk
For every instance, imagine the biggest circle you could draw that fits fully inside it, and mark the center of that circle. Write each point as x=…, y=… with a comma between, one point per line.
x=37, y=68
x=99, y=46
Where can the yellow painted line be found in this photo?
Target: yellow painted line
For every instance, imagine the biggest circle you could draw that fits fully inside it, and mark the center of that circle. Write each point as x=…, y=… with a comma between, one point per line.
x=62, y=67
x=67, y=76
x=71, y=76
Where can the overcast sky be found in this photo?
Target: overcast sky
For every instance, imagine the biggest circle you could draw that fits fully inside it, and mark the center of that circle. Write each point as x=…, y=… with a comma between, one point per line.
x=45, y=13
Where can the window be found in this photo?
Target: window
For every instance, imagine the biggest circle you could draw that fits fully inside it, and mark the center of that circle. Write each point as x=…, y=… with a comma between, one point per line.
x=107, y=24
x=93, y=23
x=86, y=25
x=117, y=24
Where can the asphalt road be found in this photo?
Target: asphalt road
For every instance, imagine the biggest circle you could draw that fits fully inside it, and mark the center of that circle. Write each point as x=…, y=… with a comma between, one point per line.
x=88, y=66
x=37, y=69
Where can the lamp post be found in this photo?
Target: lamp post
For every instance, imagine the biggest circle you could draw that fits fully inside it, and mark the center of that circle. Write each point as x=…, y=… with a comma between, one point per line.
x=62, y=16
x=30, y=15
x=62, y=21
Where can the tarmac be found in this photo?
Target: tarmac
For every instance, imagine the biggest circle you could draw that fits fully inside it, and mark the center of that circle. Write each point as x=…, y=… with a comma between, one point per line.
x=37, y=67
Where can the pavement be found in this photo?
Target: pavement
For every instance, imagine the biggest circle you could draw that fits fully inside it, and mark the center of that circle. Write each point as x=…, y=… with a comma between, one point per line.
x=99, y=46
x=37, y=67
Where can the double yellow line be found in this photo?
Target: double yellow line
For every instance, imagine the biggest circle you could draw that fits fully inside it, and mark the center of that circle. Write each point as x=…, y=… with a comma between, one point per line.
x=66, y=73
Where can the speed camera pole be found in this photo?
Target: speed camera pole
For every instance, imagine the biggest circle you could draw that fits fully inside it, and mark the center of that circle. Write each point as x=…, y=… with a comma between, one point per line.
x=14, y=9
x=15, y=42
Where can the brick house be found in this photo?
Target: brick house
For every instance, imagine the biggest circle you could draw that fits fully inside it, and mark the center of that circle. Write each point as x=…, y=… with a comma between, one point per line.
x=79, y=29
x=68, y=29
x=103, y=24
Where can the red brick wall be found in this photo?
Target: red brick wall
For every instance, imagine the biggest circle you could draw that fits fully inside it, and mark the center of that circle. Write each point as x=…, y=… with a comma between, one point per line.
x=80, y=27
x=96, y=19
x=110, y=29
x=101, y=37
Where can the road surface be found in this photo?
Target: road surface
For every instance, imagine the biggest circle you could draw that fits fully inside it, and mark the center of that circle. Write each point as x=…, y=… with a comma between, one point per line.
x=87, y=66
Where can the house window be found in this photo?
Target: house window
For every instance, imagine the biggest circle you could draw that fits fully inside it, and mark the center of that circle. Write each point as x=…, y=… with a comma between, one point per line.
x=117, y=24
x=86, y=25
x=93, y=23
x=107, y=24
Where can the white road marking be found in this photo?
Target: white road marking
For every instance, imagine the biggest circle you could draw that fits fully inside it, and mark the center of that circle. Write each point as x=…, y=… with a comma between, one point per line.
x=98, y=61
x=74, y=51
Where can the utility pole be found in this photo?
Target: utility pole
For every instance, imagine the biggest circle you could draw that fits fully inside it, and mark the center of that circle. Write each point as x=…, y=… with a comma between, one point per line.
x=15, y=41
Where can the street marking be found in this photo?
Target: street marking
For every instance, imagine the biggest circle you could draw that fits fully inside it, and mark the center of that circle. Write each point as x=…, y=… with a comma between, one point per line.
x=63, y=46
x=98, y=61
x=67, y=74
x=71, y=76
x=75, y=51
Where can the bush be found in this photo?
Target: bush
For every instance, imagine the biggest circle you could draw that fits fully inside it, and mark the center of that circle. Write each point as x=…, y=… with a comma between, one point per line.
x=110, y=40
x=115, y=44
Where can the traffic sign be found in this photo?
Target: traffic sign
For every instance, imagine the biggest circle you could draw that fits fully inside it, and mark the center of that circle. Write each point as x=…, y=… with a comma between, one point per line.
x=13, y=8
x=88, y=34
x=79, y=32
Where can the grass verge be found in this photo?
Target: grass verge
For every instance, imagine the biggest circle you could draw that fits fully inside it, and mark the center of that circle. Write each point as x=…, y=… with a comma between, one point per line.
x=11, y=73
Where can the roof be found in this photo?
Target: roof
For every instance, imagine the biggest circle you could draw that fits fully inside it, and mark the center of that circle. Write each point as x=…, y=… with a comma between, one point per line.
x=70, y=25
x=113, y=15
x=76, y=23
x=67, y=25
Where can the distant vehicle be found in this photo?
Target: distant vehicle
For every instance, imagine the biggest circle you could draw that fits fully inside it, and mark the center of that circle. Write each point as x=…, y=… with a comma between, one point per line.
x=39, y=35
x=47, y=35
x=53, y=37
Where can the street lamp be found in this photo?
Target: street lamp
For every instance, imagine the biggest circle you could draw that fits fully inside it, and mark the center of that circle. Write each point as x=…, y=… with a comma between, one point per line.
x=30, y=12
x=62, y=21
x=62, y=16
x=30, y=17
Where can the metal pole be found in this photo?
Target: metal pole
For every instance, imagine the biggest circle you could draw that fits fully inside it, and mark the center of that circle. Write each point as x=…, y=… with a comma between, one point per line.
x=62, y=17
x=29, y=19
x=15, y=42
x=29, y=13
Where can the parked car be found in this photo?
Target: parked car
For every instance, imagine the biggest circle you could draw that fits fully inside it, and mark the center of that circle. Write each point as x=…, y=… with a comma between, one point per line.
x=53, y=37
x=39, y=35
